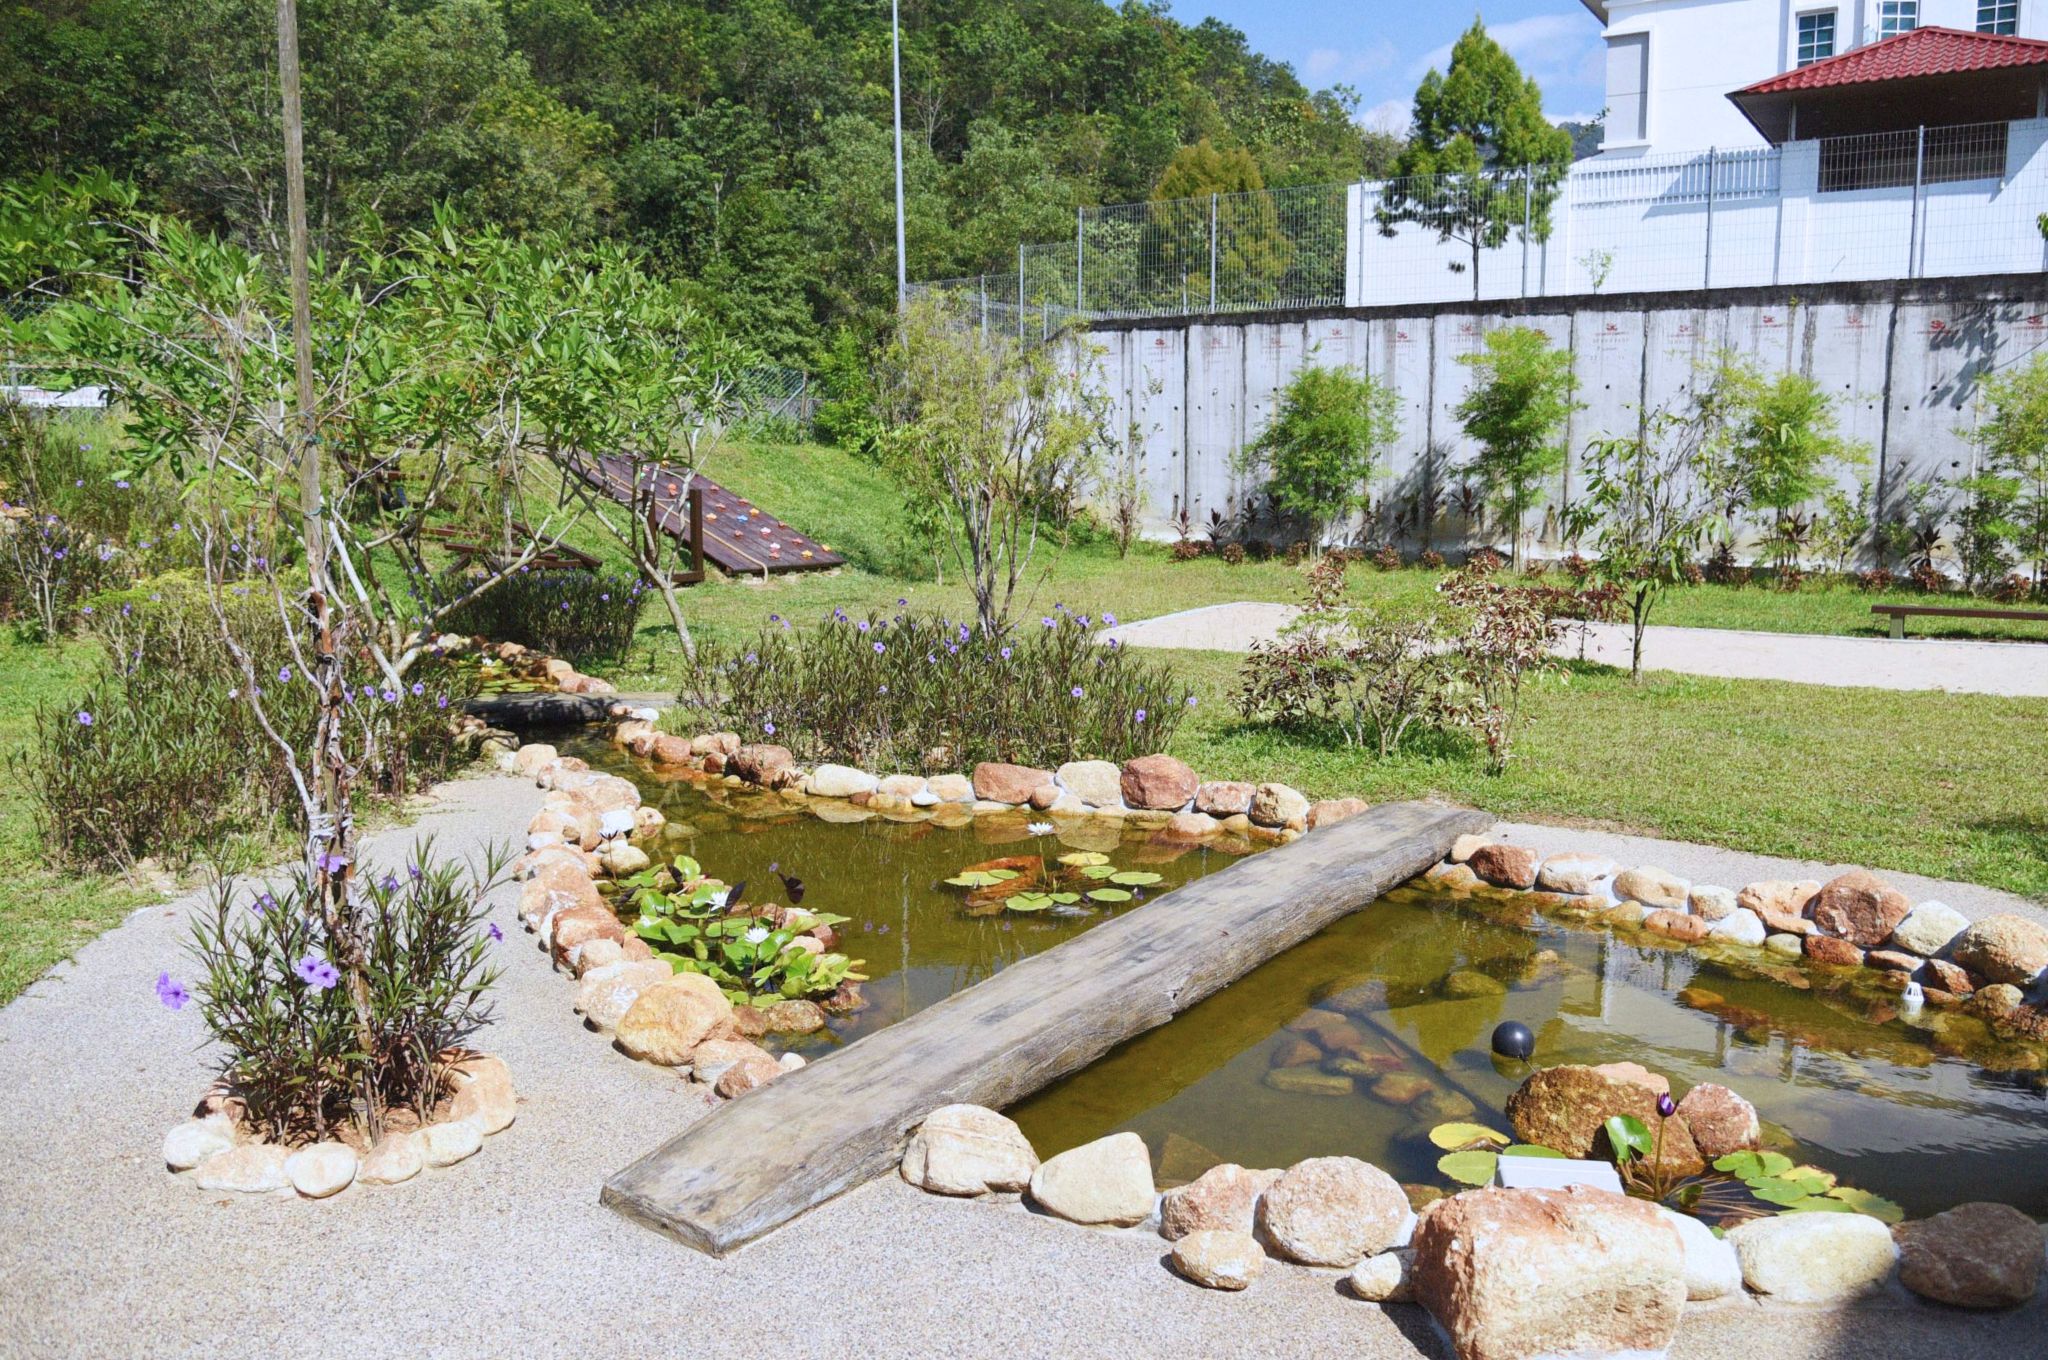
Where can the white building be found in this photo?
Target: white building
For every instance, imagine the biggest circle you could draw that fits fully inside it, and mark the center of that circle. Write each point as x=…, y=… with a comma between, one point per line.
x=1673, y=67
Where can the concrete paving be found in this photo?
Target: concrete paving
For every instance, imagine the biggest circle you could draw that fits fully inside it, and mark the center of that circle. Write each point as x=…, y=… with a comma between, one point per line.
x=104, y=1254
x=2009, y=668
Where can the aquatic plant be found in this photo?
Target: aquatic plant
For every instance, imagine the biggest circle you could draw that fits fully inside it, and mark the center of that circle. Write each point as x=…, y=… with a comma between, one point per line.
x=696, y=924
x=1014, y=883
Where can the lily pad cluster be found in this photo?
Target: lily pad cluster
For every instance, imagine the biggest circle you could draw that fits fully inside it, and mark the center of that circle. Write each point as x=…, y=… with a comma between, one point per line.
x=1026, y=883
x=1772, y=1178
x=699, y=924
x=1474, y=1151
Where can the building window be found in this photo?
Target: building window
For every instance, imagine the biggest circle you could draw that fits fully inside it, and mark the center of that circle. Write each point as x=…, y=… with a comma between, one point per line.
x=1998, y=16
x=1897, y=16
x=1816, y=36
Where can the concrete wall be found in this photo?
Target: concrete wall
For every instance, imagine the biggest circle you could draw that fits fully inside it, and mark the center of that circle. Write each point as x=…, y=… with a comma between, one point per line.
x=1902, y=359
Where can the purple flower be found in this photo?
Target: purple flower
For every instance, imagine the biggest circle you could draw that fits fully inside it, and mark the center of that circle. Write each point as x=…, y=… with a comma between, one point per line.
x=1666, y=1106
x=900, y=600
x=1006, y=653
x=264, y=902
x=284, y=675
x=389, y=696
x=414, y=871
x=316, y=972
x=931, y=658
x=495, y=933
x=84, y=718
x=1108, y=619
x=862, y=625
x=331, y=862
x=1075, y=691
x=775, y=618
x=172, y=994
x=418, y=688
x=879, y=649
x=769, y=728
x=440, y=701
x=1141, y=715
x=883, y=689
x=1047, y=621
x=390, y=883
x=1191, y=701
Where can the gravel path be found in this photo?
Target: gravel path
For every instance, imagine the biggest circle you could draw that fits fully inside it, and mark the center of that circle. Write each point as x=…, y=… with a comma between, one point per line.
x=2012, y=668
x=509, y=1254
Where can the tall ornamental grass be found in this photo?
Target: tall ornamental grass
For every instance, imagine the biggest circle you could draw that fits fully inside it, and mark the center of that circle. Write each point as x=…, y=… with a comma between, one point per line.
x=917, y=691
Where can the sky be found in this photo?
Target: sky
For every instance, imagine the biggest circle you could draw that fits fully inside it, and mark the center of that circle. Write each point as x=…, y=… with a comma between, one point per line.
x=1382, y=48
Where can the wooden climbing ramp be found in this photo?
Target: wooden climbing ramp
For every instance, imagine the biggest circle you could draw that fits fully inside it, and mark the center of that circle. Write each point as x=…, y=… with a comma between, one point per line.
x=740, y=537
x=758, y=1161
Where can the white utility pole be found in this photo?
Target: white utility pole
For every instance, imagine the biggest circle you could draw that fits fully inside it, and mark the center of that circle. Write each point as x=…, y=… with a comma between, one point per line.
x=896, y=68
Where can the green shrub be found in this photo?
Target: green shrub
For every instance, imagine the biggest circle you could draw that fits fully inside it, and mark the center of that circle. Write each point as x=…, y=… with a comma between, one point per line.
x=912, y=691
x=160, y=755
x=1324, y=444
x=570, y=614
x=291, y=1041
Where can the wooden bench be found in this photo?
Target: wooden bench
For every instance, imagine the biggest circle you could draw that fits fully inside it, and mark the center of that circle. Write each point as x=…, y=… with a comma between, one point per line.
x=1899, y=612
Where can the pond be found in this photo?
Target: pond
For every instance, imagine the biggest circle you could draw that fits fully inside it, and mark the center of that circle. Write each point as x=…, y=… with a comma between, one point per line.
x=1362, y=1039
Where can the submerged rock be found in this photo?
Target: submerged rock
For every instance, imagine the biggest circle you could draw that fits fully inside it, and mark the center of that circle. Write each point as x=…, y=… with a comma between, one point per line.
x=1219, y=1259
x=1972, y=1256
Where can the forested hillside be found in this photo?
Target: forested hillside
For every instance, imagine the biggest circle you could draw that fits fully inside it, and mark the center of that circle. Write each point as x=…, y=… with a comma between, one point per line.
x=744, y=144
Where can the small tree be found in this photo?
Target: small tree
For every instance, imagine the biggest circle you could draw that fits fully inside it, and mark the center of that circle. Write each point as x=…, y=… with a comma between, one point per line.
x=1985, y=527
x=1784, y=446
x=2014, y=438
x=1520, y=399
x=997, y=437
x=1648, y=504
x=1483, y=161
x=1324, y=444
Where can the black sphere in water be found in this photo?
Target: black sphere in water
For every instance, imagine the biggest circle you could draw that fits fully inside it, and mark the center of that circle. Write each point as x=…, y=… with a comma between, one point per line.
x=1512, y=1039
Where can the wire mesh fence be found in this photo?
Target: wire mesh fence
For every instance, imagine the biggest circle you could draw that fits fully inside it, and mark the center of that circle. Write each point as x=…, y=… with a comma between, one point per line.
x=1934, y=201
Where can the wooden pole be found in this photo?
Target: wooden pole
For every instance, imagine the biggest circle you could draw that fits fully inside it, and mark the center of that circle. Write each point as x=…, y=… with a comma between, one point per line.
x=755, y=1163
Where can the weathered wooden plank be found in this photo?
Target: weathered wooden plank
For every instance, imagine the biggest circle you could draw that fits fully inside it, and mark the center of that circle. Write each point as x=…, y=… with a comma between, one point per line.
x=752, y=1165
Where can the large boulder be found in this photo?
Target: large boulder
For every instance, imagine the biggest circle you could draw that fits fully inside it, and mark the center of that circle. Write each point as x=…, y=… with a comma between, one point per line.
x=1781, y=904
x=1095, y=782
x=1509, y=866
x=1108, y=1181
x=1972, y=1256
x=1330, y=1211
x=322, y=1169
x=2004, y=948
x=760, y=762
x=1929, y=928
x=1653, y=887
x=1219, y=1259
x=968, y=1150
x=1222, y=1199
x=1719, y=1121
x=1224, y=797
x=1859, y=907
x=1565, y=1107
x=1277, y=805
x=999, y=782
x=1517, y=1274
x=1159, y=782
x=394, y=1159
x=669, y=1019
x=1573, y=873
x=839, y=781
x=1330, y=811
x=1815, y=1258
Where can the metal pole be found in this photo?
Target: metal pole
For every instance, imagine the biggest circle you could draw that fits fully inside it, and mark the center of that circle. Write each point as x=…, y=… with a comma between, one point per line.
x=896, y=73
x=1020, y=292
x=1707, y=269
x=1078, y=294
x=982, y=280
x=1528, y=218
x=1913, y=229
x=1212, y=252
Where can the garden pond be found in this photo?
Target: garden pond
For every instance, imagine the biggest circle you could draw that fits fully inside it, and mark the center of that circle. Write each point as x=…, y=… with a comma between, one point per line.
x=1365, y=1037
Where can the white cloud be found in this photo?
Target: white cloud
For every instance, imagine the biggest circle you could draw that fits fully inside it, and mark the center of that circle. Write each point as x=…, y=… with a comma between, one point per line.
x=1331, y=63
x=1322, y=63
x=1392, y=115
x=1557, y=49
x=1591, y=117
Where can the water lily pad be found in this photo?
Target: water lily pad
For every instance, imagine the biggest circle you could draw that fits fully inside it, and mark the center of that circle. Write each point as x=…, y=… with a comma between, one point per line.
x=1532, y=1150
x=1108, y=895
x=1776, y=1190
x=1451, y=1137
x=1469, y=1168
x=1098, y=870
x=1863, y=1202
x=1134, y=878
x=1082, y=859
x=1752, y=1165
x=1817, y=1204
x=1628, y=1136
x=1028, y=901
x=982, y=878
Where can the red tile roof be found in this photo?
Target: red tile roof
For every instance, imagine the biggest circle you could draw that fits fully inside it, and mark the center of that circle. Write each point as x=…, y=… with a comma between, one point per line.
x=1922, y=52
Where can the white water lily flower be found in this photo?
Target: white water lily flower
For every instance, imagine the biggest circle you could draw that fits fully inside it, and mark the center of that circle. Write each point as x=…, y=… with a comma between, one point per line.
x=756, y=935
x=617, y=822
x=1040, y=828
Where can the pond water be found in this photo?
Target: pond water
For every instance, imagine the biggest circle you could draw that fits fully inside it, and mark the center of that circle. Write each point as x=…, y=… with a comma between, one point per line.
x=1363, y=1038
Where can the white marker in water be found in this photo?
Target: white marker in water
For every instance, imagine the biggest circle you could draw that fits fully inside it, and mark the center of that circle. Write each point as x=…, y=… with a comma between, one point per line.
x=1912, y=999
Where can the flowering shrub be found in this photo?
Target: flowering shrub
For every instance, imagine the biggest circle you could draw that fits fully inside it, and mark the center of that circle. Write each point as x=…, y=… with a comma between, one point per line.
x=160, y=754
x=913, y=691
x=570, y=614
x=293, y=1038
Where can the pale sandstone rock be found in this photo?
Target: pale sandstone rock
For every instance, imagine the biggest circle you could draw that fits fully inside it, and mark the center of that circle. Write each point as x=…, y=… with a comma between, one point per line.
x=1711, y=901
x=840, y=781
x=2003, y=948
x=1386, y=1277
x=1108, y=1181
x=192, y=1142
x=968, y=1150
x=1223, y=1198
x=1712, y=1269
x=1330, y=1211
x=1096, y=782
x=1219, y=1259
x=1814, y=1258
x=1463, y=848
x=395, y=1158
x=1224, y=798
x=251, y=1169
x=448, y=1143
x=1653, y=887
x=321, y=1170
x=1277, y=805
x=1571, y=873
x=1929, y=928
x=669, y=1019
x=1740, y=926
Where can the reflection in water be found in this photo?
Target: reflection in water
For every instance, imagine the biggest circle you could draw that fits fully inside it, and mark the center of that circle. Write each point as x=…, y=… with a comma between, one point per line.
x=1361, y=1039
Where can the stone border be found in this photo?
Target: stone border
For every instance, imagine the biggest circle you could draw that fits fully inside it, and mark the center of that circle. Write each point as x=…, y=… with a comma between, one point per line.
x=219, y=1155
